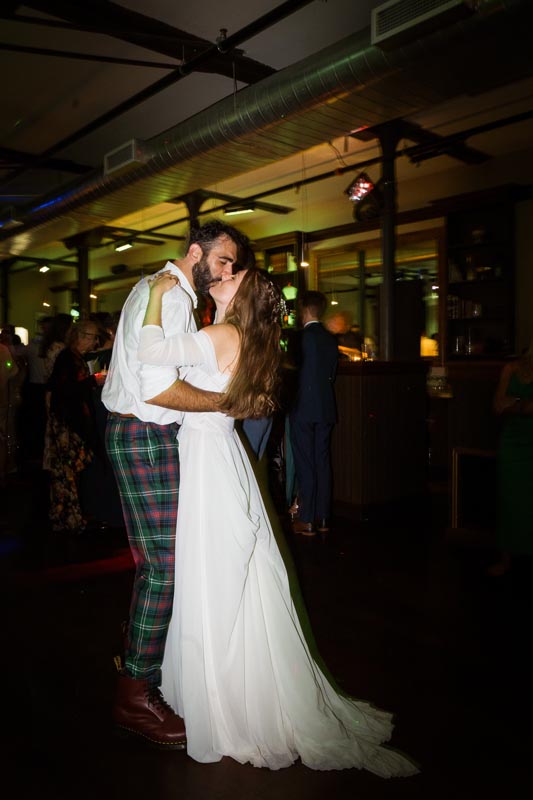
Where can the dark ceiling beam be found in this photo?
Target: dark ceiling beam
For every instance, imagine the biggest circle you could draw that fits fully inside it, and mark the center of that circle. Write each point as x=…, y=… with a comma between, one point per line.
x=433, y=142
x=25, y=19
x=44, y=51
x=230, y=199
x=226, y=44
x=424, y=151
x=15, y=158
x=416, y=151
x=111, y=19
x=96, y=283
x=271, y=207
x=111, y=235
x=216, y=57
x=29, y=262
x=114, y=232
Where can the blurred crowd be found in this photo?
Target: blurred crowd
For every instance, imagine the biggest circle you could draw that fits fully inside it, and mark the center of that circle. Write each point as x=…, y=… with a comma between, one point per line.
x=52, y=418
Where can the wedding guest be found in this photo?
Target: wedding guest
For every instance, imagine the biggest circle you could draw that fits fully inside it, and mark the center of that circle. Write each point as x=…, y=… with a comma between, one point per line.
x=513, y=401
x=71, y=427
x=313, y=416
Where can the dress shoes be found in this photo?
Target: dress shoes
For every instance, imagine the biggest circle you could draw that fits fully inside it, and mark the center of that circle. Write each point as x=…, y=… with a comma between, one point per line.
x=141, y=712
x=305, y=528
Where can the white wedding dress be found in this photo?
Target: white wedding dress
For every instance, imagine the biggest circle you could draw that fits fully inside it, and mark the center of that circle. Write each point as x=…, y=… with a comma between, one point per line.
x=237, y=667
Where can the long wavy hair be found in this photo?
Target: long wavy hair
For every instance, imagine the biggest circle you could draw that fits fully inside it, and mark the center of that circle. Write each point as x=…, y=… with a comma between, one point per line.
x=255, y=312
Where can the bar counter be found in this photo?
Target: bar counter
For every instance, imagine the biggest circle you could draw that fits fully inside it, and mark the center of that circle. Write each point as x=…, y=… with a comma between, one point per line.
x=380, y=443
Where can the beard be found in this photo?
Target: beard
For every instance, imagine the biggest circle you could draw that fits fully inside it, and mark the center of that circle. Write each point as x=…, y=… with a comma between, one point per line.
x=201, y=273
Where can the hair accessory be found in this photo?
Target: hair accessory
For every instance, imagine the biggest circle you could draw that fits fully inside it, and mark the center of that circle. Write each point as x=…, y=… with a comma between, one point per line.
x=282, y=310
x=279, y=307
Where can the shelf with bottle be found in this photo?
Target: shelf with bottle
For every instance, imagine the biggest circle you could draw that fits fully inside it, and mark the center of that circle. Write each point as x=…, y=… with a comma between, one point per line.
x=480, y=338
x=477, y=266
x=486, y=225
x=478, y=310
x=281, y=262
x=461, y=308
x=289, y=290
x=480, y=285
x=279, y=256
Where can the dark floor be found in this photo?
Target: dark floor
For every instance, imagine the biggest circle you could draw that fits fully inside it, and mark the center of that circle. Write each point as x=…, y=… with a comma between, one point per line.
x=403, y=616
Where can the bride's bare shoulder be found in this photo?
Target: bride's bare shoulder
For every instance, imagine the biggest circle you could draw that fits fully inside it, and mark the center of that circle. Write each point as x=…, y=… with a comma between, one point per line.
x=223, y=334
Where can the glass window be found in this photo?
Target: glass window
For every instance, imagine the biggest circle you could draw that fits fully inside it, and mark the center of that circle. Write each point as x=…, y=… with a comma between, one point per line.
x=351, y=278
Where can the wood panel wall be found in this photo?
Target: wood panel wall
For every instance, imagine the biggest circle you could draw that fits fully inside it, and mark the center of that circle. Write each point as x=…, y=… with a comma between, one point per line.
x=380, y=443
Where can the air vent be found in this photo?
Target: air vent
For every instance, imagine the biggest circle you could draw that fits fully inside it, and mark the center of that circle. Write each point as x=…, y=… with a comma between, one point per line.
x=399, y=21
x=127, y=155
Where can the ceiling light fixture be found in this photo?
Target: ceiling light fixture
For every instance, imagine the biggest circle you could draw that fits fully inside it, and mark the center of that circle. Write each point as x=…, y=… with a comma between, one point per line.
x=124, y=246
x=304, y=214
x=93, y=296
x=44, y=268
x=233, y=210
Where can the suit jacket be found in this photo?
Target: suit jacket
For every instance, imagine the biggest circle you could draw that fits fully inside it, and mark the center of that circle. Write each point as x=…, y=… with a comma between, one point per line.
x=316, y=359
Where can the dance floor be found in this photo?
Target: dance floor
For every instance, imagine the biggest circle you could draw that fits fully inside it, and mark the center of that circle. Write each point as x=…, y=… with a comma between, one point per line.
x=403, y=615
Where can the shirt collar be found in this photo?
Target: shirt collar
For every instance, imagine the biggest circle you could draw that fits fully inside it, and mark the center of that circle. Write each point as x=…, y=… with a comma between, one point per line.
x=184, y=282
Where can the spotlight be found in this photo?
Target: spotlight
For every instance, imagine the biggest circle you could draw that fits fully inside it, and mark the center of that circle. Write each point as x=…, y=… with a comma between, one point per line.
x=359, y=188
x=367, y=198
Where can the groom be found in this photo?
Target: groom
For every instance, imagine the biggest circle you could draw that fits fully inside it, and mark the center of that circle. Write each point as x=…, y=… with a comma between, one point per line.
x=142, y=447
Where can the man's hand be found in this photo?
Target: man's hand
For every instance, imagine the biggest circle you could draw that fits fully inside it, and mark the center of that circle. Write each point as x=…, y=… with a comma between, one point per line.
x=182, y=396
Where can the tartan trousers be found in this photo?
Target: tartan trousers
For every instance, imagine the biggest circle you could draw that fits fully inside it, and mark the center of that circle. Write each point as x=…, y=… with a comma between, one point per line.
x=145, y=461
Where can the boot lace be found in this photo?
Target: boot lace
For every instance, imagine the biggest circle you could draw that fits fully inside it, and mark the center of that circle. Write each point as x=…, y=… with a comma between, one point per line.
x=156, y=699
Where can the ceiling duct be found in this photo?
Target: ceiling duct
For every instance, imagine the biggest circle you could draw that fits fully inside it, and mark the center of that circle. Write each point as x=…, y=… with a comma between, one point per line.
x=399, y=21
x=348, y=85
x=8, y=218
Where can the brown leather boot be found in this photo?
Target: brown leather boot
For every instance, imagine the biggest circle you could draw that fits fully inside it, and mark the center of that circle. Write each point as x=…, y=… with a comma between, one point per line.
x=141, y=711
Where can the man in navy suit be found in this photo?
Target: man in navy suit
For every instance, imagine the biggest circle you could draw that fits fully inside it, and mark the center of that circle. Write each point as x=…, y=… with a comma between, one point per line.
x=313, y=415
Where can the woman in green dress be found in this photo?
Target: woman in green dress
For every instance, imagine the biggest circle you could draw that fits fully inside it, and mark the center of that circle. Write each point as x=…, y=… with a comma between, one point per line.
x=514, y=402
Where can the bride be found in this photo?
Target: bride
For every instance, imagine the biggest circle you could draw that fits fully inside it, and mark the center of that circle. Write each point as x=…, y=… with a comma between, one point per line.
x=237, y=667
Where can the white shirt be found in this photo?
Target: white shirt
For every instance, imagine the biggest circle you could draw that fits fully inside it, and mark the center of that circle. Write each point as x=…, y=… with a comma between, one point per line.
x=122, y=390
x=35, y=362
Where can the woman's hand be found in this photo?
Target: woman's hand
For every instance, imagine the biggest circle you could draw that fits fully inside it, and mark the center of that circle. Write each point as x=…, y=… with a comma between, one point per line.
x=159, y=284
x=163, y=282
